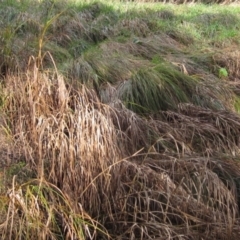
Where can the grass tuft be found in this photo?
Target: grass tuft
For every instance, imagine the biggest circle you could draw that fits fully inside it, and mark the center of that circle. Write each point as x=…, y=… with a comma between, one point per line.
x=119, y=120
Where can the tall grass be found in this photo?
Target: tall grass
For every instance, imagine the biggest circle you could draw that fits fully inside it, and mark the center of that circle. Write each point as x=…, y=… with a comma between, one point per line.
x=116, y=123
x=77, y=148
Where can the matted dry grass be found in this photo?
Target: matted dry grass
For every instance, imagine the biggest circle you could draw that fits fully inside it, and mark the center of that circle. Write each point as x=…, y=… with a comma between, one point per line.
x=103, y=171
x=131, y=136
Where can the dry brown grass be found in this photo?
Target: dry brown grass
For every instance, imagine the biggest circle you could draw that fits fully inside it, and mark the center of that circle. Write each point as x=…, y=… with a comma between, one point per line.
x=61, y=131
x=231, y=62
x=60, y=127
x=204, y=130
x=159, y=200
x=129, y=134
x=92, y=180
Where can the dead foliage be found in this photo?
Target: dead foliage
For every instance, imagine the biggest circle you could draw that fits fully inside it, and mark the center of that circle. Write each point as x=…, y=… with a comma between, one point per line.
x=60, y=128
x=38, y=208
x=140, y=141
x=214, y=131
x=231, y=62
x=79, y=150
x=152, y=206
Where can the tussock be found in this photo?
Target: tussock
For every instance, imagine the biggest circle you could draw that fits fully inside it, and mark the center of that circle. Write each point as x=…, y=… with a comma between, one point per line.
x=183, y=38
x=127, y=135
x=223, y=19
x=165, y=14
x=38, y=208
x=129, y=27
x=134, y=131
x=231, y=62
x=218, y=128
x=153, y=197
x=61, y=130
x=211, y=92
x=108, y=64
x=78, y=146
x=157, y=44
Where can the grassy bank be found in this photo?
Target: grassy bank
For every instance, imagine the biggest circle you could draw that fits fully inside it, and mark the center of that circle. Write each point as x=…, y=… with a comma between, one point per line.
x=119, y=120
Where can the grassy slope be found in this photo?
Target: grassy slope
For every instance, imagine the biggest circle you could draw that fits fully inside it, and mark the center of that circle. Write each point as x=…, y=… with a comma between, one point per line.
x=119, y=112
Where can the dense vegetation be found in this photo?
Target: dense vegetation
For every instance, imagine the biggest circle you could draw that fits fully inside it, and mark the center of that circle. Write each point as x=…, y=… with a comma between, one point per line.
x=119, y=120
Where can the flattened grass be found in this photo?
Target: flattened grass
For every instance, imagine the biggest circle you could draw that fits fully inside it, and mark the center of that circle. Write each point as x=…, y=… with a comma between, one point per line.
x=120, y=126
x=78, y=147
